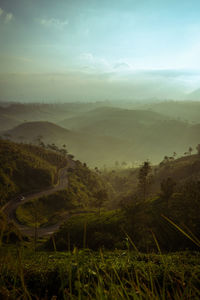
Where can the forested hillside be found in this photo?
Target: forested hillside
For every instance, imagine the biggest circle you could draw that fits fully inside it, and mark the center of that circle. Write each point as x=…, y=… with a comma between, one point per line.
x=143, y=133
x=24, y=168
x=125, y=180
x=85, y=191
x=104, y=219
x=75, y=141
x=152, y=205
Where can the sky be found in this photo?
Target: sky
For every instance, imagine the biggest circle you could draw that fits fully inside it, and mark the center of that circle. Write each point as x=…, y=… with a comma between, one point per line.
x=84, y=50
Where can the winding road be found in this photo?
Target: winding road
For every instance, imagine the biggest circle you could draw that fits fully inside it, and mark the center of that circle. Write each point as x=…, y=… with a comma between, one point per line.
x=11, y=206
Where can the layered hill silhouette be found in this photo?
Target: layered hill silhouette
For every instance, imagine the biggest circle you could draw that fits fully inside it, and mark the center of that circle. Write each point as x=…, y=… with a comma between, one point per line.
x=107, y=134
x=111, y=120
x=181, y=110
x=12, y=114
x=85, y=146
x=150, y=134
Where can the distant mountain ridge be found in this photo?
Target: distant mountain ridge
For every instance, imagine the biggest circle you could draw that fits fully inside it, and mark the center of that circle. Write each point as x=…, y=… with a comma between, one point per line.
x=104, y=135
x=85, y=146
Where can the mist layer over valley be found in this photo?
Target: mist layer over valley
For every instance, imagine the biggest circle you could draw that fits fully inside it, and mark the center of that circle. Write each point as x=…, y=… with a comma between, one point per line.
x=99, y=149
x=102, y=133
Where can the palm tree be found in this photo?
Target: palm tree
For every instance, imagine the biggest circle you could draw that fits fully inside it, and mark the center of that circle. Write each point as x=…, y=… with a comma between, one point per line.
x=144, y=178
x=190, y=150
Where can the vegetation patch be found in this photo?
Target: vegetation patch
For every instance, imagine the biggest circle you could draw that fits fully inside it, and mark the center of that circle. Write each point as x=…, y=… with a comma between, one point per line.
x=99, y=275
x=90, y=230
x=46, y=210
x=24, y=168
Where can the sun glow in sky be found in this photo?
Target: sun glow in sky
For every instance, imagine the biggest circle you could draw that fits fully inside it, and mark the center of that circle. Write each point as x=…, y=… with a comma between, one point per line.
x=92, y=49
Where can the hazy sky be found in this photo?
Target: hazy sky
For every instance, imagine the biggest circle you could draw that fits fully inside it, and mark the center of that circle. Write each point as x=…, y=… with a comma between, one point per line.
x=99, y=49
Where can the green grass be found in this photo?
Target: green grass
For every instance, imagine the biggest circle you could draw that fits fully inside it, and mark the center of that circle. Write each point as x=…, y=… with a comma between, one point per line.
x=83, y=274
x=91, y=230
x=27, y=272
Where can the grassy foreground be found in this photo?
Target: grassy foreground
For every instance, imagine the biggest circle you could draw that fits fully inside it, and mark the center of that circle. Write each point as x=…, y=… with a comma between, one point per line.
x=84, y=274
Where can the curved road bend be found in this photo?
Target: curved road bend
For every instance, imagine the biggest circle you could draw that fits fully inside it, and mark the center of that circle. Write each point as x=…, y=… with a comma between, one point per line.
x=12, y=205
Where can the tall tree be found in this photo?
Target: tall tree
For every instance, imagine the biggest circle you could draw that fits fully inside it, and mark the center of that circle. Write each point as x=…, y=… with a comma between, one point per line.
x=144, y=179
x=190, y=150
x=101, y=196
x=167, y=188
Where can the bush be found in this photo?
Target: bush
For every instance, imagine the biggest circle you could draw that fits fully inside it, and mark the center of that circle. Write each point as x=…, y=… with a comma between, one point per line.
x=90, y=231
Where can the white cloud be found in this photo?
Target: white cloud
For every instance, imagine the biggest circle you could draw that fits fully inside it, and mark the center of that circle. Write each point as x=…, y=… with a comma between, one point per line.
x=123, y=65
x=100, y=63
x=56, y=23
x=7, y=17
x=94, y=63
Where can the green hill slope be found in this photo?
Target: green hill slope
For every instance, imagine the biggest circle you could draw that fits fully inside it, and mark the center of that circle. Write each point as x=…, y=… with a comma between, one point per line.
x=80, y=193
x=12, y=114
x=24, y=168
x=182, y=110
x=148, y=134
x=112, y=121
x=103, y=135
x=106, y=134
x=93, y=149
x=146, y=222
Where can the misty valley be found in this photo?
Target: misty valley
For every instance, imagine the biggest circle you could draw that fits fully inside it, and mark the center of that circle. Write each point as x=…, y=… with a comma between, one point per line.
x=102, y=133
x=99, y=150
x=100, y=200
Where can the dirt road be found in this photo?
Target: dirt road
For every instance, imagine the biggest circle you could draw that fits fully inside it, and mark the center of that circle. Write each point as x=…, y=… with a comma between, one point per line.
x=12, y=205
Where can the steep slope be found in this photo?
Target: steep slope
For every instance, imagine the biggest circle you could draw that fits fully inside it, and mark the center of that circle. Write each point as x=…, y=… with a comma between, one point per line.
x=145, y=222
x=180, y=170
x=187, y=168
x=80, y=193
x=24, y=168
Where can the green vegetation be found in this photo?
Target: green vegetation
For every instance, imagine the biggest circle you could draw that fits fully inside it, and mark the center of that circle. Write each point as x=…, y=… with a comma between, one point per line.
x=151, y=225
x=143, y=133
x=84, y=185
x=142, y=222
x=84, y=191
x=122, y=230
x=125, y=182
x=108, y=134
x=9, y=233
x=45, y=210
x=24, y=168
x=143, y=212
x=104, y=275
x=91, y=231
